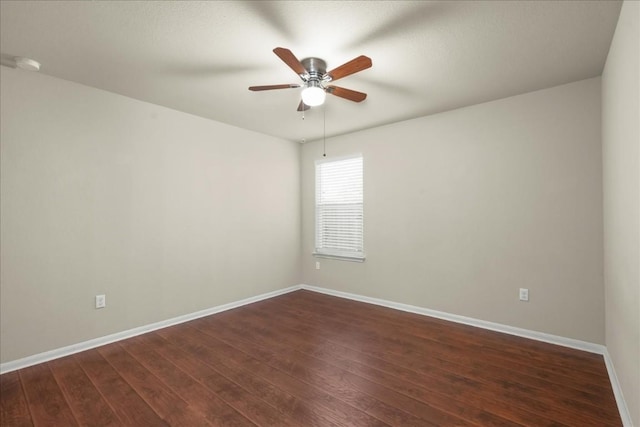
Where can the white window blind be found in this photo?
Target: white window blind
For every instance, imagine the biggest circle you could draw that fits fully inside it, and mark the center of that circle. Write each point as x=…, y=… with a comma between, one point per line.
x=339, y=208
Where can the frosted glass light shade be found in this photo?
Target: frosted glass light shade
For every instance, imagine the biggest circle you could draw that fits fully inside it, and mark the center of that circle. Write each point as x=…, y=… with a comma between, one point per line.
x=313, y=96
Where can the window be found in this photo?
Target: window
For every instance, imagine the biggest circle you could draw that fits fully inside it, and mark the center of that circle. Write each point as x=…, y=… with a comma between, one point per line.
x=339, y=208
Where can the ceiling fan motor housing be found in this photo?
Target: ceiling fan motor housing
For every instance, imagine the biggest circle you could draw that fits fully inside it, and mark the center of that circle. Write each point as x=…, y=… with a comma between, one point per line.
x=316, y=68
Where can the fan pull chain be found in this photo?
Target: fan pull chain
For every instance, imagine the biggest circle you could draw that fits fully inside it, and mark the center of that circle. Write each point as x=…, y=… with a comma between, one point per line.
x=324, y=130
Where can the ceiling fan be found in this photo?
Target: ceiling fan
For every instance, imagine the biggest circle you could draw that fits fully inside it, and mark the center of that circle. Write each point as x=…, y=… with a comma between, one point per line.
x=315, y=78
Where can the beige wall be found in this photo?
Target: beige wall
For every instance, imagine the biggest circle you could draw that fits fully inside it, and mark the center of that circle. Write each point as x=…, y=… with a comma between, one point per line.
x=465, y=207
x=164, y=212
x=621, y=177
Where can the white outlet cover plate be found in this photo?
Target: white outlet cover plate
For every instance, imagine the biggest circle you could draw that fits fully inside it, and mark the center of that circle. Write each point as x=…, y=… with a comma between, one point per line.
x=524, y=294
x=101, y=301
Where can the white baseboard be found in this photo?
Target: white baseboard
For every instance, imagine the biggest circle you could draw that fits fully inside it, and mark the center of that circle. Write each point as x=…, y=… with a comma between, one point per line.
x=498, y=327
x=617, y=391
x=97, y=342
x=526, y=333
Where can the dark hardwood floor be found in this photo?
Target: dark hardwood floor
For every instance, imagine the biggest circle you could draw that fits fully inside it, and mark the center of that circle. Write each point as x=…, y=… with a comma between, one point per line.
x=305, y=359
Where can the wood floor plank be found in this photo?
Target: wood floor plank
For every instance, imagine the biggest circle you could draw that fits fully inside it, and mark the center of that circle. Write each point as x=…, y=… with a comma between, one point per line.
x=130, y=408
x=213, y=408
x=252, y=407
x=458, y=395
x=462, y=400
x=443, y=330
x=343, y=413
x=517, y=394
x=46, y=402
x=14, y=410
x=496, y=373
x=439, y=417
x=445, y=351
x=167, y=404
x=389, y=405
x=305, y=358
x=444, y=401
x=363, y=402
x=85, y=401
x=541, y=404
x=500, y=356
x=306, y=413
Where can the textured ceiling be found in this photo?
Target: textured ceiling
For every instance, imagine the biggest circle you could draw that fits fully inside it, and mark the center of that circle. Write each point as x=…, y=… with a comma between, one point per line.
x=200, y=57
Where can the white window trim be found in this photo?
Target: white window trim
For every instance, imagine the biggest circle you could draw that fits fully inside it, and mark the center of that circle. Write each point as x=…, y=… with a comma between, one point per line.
x=353, y=258
x=335, y=254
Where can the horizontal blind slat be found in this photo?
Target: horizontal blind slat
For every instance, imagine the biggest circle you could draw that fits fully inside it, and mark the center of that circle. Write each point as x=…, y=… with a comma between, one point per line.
x=339, y=206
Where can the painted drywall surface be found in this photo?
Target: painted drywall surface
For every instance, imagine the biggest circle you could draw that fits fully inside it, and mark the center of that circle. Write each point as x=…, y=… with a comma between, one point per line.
x=164, y=212
x=621, y=186
x=464, y=208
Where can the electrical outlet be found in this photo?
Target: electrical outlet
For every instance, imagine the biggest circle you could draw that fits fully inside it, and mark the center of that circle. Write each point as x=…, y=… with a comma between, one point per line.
x=101, y=301
x=317, y=265
x=524, y=294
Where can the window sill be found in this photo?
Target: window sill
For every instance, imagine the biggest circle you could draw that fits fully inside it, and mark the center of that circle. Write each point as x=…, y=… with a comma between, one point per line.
x=351, y=258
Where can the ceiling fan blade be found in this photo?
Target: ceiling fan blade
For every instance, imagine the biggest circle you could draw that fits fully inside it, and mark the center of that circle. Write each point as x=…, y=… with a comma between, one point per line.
x=303, y=107
x=290, y=59
x=271, y=87
x=358, y=64
x=351, y=95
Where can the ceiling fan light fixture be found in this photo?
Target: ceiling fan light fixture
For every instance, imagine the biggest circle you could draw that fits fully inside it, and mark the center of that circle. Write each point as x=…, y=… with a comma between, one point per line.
x=313, y=95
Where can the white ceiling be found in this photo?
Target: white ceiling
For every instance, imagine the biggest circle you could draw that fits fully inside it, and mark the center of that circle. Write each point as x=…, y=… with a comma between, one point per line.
x=200, y=57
